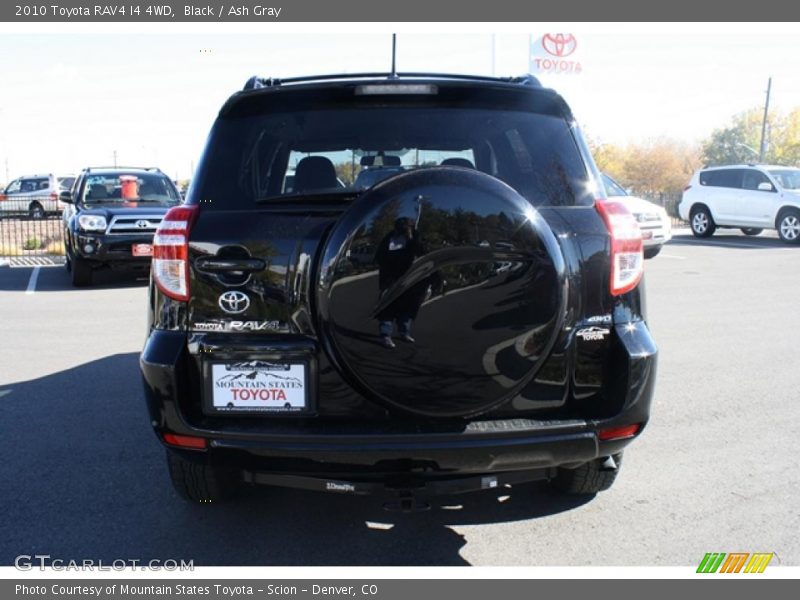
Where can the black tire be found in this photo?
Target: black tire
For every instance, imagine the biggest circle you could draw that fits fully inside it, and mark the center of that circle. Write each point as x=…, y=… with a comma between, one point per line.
x=788, y=226
x=702, y=224
x=589, y=478
x=652, y=252
x=200, y=483
x=751, y=230
x=36, y=211
x=80, y=271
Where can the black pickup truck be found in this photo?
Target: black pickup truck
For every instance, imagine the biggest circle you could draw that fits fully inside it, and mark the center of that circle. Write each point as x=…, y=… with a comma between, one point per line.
x=394, y=284
x=110, y=217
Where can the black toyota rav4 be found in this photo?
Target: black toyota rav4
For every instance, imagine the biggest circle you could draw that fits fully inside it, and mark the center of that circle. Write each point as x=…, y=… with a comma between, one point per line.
x=473, y=318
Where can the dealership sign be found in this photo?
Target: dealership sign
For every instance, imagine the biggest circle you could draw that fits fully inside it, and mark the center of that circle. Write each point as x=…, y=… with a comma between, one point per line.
x=554, y=53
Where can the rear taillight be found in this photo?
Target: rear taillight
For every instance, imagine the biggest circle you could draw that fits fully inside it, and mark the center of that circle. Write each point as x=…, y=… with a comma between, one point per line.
x=53, y=196
x=619, y=433
x=185, y=441
x=687, y=188
x=171, y=252
x=627, y=259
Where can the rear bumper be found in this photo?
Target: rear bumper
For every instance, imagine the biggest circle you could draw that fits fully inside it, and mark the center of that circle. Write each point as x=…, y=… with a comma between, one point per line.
x=381, y=452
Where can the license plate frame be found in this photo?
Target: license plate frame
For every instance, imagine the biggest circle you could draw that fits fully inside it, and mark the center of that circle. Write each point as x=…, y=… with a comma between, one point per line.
x=265, y=387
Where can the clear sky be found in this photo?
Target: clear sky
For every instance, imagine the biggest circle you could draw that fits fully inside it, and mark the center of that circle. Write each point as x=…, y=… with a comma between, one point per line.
x=69, y=100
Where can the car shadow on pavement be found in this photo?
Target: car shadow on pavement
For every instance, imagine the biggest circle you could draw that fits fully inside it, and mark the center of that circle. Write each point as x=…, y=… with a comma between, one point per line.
x=85, y=478
x=56, y=279
x=730, y=239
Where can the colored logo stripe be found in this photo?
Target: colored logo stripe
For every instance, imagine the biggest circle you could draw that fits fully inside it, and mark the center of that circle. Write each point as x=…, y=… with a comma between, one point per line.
x=758, y=562
x=711, y=562
x=734, y=562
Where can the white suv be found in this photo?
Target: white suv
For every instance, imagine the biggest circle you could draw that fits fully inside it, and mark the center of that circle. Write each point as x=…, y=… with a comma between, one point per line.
x=749, y=197
x=34, y=195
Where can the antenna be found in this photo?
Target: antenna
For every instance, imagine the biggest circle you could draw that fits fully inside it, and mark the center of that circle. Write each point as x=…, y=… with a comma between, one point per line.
x=393, y=75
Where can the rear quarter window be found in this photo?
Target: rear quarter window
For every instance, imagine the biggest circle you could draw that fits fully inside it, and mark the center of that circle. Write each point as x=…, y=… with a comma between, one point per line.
x=729, y=178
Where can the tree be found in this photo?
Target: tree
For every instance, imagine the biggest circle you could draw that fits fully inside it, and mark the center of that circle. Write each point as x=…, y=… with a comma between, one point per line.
x=740, y=141
x=650, y=167
x=728, y=145
x=348, y=171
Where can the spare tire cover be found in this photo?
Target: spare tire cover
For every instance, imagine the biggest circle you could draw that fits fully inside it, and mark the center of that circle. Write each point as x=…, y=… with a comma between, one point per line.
x=481, y=284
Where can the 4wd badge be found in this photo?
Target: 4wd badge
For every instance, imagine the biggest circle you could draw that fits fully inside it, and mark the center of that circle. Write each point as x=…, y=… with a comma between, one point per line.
x=234, y=302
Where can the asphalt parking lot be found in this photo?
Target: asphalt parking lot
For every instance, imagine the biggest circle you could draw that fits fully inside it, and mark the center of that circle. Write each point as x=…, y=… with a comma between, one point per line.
x=83, y=476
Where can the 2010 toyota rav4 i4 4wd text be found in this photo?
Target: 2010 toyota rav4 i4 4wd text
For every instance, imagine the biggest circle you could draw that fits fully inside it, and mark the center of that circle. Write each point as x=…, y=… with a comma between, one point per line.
x=473, y=318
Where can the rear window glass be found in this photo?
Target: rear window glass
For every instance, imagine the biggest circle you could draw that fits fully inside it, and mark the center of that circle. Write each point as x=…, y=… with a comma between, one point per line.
x=345, y=151
x=34, y=185
x=731, y=178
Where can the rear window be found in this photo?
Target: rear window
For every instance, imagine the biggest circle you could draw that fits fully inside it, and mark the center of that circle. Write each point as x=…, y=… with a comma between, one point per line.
x=342, y=151
x=730, y=178
x=34, y=185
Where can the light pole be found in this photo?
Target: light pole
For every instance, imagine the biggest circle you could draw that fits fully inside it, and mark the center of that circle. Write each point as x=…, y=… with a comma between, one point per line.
x=763, y=147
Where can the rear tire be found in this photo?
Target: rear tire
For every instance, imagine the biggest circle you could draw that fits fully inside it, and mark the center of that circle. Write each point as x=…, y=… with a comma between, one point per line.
x=80, y=271
x=701, y=222
x=590, y=478
x=652, y=252
x=36, y=211
x=200, y=483
x=789, y=226
x=751, y=230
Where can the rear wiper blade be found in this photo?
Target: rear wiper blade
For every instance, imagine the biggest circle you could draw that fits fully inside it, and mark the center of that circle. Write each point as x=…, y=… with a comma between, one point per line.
x=338, y=195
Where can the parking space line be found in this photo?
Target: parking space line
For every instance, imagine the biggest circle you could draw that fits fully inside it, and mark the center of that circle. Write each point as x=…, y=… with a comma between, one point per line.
x=672, y=256
x=31, y=289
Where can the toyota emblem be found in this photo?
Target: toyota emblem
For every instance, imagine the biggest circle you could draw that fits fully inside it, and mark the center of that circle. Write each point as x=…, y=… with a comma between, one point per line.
x=559, y=44
x=234, y=302
x=142, y=224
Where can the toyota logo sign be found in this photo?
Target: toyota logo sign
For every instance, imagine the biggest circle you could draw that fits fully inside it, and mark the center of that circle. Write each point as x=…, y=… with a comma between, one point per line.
x=234, y=302
x=142, y=224
x=556, y=54
x=559, y=44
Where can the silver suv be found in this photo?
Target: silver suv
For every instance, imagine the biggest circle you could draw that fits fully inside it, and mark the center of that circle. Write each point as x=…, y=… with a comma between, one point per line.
x=35, y=195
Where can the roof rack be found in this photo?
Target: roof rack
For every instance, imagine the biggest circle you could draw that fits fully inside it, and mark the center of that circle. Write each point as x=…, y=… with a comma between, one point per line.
x=256, y=82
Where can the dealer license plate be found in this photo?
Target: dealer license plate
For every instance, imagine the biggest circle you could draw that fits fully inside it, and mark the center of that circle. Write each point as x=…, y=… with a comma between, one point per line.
x=258, y=386
x=142, y=250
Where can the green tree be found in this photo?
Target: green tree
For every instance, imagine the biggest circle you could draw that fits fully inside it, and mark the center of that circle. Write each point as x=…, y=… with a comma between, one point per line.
x=733, y=144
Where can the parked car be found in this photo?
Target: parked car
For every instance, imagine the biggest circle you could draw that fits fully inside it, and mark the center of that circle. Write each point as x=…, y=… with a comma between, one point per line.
x=653, y=219
x=274, y=358
x=34, y=195
x=748, y=197
x=110, y=219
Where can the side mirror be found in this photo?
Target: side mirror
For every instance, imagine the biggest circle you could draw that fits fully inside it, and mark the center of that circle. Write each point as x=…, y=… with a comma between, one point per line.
x=765, y=187
x=65, y=197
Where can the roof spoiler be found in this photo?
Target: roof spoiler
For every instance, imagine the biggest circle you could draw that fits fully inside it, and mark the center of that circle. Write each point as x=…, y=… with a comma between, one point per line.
x=256, y=82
